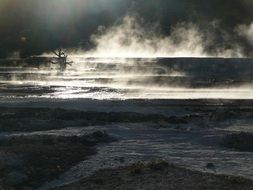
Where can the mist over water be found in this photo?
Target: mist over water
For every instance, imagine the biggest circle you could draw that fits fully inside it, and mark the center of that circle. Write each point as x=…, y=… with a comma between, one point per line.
x=132, y=78
x=131, y=60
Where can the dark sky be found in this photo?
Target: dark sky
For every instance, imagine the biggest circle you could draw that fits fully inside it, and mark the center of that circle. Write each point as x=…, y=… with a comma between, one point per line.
x=35, y=26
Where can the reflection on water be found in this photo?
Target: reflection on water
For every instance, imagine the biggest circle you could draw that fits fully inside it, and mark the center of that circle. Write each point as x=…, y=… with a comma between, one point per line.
x=130, y=79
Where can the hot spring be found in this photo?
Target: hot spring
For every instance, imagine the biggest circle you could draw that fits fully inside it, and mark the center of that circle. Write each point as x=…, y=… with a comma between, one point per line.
x=129, y=78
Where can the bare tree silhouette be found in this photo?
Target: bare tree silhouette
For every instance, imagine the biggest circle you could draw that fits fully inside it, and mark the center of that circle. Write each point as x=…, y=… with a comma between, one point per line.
x=61, y=59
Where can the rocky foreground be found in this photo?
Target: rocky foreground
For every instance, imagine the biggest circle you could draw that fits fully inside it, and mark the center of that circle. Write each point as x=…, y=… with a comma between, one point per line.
x=28, y=161
x=39, y=145
x=158, y=175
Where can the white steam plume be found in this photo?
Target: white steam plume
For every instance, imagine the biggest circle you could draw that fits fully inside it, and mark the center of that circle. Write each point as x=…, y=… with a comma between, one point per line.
x=246, y=31
x=130, y=39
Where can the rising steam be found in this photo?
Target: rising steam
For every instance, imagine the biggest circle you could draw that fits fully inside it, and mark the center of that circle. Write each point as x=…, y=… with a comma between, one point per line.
x=131, y=39
x=246, y=31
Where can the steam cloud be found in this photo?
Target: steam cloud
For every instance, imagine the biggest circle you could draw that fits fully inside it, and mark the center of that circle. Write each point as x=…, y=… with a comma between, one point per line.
x=131, y=39
x=246, y=31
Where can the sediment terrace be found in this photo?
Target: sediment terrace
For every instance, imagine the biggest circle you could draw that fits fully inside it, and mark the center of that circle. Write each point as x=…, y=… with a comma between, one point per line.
x=187, y=133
